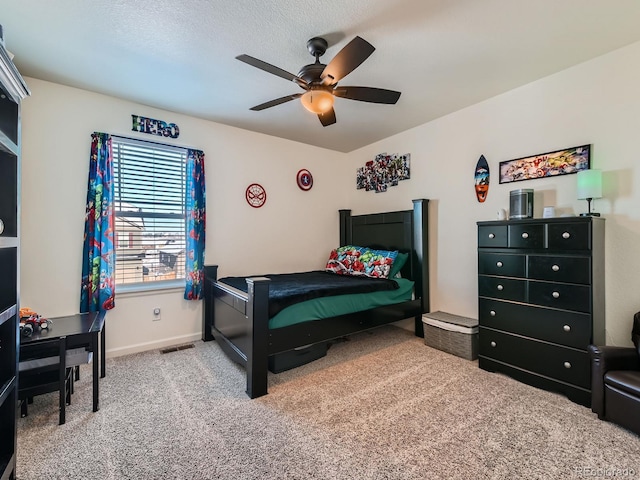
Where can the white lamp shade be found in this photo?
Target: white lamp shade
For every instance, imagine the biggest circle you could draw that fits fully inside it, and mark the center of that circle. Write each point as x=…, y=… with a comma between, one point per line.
x=589, y=184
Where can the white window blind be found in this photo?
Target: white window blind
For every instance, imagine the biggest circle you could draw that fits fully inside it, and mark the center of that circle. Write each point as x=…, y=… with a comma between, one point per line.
x=149, y=203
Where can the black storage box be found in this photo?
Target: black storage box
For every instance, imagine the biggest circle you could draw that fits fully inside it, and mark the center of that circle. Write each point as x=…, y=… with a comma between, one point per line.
x=281, y=362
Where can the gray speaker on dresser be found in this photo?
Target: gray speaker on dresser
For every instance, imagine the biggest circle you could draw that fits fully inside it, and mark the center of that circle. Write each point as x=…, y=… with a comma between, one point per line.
x=521, y=203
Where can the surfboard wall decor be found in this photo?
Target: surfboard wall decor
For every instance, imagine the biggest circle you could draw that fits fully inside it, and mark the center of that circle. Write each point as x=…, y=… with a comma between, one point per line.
x=482, y=179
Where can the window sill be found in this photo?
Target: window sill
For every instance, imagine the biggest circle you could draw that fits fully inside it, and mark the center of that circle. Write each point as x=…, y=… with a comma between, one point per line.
x=150, y=287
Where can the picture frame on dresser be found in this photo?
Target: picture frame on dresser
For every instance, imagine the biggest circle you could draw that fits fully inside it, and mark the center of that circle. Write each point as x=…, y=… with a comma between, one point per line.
x=541, y=300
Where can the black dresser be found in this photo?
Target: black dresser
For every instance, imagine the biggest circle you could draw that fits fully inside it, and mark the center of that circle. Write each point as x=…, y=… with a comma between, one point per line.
x=541, y=300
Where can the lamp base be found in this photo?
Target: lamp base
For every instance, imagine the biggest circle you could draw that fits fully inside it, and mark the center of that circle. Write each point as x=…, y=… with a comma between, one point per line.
x=589, y=212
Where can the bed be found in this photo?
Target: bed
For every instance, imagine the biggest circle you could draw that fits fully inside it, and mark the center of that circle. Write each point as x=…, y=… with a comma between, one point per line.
x=238, y=319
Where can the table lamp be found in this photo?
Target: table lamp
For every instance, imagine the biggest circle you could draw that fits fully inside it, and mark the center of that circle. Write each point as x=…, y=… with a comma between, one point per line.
x=589, y=188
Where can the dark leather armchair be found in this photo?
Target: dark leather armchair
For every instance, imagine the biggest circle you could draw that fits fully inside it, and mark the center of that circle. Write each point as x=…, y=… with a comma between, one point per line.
x=615, y=381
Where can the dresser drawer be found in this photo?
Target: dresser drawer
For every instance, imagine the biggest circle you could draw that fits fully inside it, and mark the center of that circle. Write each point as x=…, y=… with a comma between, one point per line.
x=559, y=269
x=569, y=236
x=561, y=363
x=571, y=329
x=526, y=235
x=501, y=287
x=492, y=235
x=501, y=264
x=560, y=295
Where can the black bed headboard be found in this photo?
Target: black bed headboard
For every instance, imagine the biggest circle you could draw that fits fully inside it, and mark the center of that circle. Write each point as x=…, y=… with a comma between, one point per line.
x=405, y=231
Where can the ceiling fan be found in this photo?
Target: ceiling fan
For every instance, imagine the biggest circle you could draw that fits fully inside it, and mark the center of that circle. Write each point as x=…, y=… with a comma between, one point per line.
x=320, y=81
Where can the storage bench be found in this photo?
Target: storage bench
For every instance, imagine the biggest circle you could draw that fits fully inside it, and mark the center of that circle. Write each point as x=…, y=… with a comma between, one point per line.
x=451, y=333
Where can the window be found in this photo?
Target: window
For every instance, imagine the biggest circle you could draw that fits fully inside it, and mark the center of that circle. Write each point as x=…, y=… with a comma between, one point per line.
x=149, y=203
x=124, y=239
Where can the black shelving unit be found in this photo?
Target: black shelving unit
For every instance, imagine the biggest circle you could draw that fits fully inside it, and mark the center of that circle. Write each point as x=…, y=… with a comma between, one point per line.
x=12, y=90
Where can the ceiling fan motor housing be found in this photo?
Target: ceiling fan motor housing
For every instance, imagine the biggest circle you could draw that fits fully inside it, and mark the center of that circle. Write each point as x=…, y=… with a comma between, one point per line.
x=311, y=73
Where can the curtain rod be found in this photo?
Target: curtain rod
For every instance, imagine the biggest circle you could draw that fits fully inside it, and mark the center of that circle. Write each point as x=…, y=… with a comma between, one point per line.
x=155, y=143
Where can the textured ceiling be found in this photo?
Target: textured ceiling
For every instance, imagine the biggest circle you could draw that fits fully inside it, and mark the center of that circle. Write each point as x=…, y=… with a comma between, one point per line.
x=442, y=55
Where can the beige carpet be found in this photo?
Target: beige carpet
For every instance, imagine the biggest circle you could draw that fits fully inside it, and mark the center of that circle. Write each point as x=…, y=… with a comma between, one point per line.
x=379, y=406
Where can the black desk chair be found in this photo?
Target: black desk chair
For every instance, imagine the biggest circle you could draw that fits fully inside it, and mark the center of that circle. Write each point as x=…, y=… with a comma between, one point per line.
x=615, y=381
x=43, y=369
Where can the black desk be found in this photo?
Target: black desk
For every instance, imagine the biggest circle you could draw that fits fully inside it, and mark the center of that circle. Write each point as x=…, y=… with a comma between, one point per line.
x=82, y=330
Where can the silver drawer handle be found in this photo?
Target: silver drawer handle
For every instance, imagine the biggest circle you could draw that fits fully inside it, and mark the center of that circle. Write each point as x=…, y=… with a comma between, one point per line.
x=1, y=226
x=500, y=287
x=555, y=268
x=555, y=295
x=567, y=365
x=499, y=264
x=491, y=235
x=566, y=235
x=493, y=344
x=525, y=235
x=566, y=328
x=492, y=313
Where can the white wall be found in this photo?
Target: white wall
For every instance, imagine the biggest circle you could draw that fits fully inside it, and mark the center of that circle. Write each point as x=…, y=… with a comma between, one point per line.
x=294, y=230
x=596, y=102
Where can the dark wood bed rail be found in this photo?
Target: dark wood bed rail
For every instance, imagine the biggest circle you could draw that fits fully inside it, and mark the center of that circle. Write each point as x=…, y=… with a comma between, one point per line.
x=239, y=321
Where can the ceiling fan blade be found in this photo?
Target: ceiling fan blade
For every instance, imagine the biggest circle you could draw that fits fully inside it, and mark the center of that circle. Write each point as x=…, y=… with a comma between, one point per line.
x=327, y=118
x=267, y=67
x=367, y=94
x=347, y=60
x=275, y=102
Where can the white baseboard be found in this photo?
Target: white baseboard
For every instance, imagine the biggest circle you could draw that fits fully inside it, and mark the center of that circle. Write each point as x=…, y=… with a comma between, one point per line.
x=407, y=324
x=144, y=347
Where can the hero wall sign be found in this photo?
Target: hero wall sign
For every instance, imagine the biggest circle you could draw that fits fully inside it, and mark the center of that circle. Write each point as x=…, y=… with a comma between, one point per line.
x=154, y=127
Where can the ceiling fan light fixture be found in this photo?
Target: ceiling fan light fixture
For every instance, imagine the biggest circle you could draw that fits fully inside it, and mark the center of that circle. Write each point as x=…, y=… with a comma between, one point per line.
x=317, y=101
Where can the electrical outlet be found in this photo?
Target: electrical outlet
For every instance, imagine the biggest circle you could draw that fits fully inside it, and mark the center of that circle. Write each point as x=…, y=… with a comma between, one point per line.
x=156, y=313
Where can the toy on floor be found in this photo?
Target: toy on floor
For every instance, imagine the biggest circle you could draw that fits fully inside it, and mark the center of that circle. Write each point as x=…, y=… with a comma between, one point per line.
x=31, y=321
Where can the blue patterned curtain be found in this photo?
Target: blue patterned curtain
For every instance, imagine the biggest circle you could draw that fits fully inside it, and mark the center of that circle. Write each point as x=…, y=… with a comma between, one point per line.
x=98, y=256
x=196, y=223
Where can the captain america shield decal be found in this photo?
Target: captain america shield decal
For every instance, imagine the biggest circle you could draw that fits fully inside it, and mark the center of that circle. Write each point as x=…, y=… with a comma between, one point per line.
x=305, y=180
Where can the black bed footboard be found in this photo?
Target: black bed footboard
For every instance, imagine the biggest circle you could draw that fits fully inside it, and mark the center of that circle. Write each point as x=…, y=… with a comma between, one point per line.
x=239, y=322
